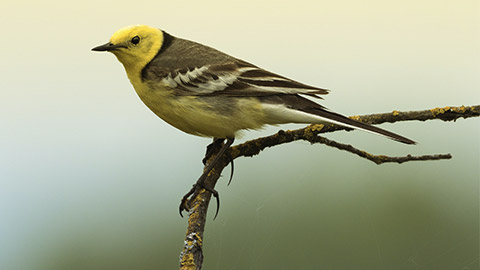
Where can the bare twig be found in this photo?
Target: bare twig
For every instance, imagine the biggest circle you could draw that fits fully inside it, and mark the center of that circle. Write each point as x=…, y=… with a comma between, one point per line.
x=192, y=256
x=378, y=159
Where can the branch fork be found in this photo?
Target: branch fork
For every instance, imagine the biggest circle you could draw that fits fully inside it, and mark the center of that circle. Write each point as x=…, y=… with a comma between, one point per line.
x=191, y=257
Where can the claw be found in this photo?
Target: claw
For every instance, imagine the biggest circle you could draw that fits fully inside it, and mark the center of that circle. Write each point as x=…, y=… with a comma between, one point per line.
x=201, y=181
x=180, y=210
x=183, y=203
x=217, y=196
x=231, y=168
x=182, y=207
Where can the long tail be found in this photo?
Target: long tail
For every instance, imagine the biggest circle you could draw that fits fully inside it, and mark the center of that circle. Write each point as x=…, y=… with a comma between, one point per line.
x=347, y=122
x=296, y=109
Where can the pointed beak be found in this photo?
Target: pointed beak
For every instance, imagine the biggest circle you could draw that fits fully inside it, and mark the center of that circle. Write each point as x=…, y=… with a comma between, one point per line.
x=107, y=47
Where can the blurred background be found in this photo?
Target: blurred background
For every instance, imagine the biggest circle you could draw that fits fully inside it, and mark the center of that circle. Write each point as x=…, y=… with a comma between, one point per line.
x=91, y=179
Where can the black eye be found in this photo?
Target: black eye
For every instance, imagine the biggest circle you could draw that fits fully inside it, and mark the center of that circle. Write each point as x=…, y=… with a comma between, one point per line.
x=135, y=40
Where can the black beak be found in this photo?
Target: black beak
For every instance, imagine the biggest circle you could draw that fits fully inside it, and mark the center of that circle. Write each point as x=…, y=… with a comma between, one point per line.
x=107, y=47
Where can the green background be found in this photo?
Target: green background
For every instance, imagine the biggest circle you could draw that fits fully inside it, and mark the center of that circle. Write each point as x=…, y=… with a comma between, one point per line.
x=91, y=179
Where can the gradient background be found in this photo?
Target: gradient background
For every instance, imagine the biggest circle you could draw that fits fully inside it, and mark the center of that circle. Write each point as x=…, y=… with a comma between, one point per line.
x=91, y=179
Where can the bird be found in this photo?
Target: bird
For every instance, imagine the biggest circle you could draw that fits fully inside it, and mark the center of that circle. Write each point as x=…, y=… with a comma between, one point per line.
x=205, y=92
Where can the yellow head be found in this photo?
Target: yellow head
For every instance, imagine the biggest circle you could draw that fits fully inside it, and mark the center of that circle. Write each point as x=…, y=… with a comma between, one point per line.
x=134, y=46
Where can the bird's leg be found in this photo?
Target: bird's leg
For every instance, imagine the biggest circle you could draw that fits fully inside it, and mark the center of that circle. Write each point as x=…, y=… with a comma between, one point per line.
x=212, y=148
x=201, y=181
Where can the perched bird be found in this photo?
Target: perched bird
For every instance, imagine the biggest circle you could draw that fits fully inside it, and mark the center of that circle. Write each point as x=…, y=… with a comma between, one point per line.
x=205, y=92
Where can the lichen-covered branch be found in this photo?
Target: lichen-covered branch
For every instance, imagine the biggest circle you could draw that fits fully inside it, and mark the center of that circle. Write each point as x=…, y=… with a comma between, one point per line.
x=191, y=257
x=254, y=147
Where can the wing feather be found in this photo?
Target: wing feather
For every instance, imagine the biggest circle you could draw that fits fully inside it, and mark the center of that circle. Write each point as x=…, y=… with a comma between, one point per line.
x=233, y=79
x=189, y=68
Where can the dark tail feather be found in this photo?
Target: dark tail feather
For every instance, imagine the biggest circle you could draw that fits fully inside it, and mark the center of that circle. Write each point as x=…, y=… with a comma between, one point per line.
x=300, y=103
x=347, y=122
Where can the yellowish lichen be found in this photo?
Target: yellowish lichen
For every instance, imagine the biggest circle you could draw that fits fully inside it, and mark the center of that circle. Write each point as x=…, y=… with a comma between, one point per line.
x=460, y=109
x=396, y=113
x=438, y=111
x=311, y=130
x=211, y=172
x=195, y=204
x=316, y=127
x=355, y=117
x=199, y=241
x=187, y=261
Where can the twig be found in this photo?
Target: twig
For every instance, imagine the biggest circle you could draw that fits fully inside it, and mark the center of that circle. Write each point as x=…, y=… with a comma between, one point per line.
x=378, y=159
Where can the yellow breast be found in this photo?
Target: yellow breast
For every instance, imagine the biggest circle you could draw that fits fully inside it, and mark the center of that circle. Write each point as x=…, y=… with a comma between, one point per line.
x=207, y=116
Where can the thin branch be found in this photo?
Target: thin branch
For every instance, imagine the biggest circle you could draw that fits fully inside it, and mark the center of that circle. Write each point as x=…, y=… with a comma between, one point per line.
x=378, y=159
x=191, y=257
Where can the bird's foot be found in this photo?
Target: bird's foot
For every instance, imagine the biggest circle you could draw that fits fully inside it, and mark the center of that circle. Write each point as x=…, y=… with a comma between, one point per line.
x=196, y=188
x=200, y=184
